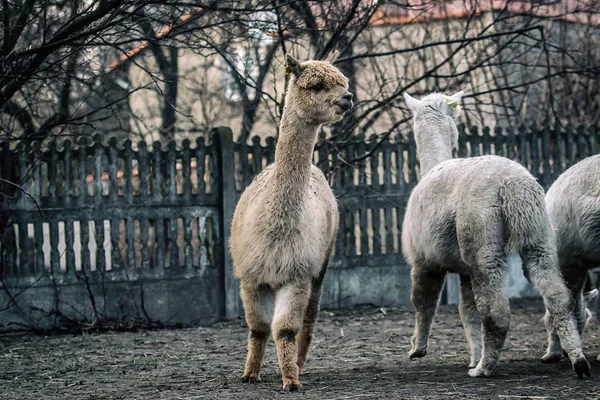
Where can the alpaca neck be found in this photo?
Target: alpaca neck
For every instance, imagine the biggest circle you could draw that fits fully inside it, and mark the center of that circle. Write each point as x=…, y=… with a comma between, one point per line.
x=293, y=161
x=434, y=144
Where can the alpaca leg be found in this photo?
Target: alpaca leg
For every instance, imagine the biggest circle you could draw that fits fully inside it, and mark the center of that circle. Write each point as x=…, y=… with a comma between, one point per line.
x=574, y=277
x=554, y=352
x=291, y=302
x=470, y=319
x=426, y=289
x=575, y=281
x=494, y=309
x=598, y=314
x=310, y=317
x=258, y=306
x=545, y=277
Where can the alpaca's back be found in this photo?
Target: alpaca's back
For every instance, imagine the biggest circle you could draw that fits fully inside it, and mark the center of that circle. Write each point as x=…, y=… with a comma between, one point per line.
x=574, y=208
x=463, y=203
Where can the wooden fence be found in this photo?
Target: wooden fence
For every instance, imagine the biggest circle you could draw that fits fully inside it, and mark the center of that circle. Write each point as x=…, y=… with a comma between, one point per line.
x=124, y=231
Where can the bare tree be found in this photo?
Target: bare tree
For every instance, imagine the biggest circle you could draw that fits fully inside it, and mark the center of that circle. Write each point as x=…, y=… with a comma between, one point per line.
x=59, y=73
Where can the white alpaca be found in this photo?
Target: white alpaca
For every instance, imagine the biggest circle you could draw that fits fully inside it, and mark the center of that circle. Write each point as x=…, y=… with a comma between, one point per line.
x=466, y=216
x=574, y=207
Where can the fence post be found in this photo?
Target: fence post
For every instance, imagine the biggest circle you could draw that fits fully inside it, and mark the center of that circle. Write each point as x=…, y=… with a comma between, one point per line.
x=226, y=164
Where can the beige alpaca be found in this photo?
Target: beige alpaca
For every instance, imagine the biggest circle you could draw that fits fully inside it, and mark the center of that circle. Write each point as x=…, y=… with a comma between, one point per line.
x=285, y=224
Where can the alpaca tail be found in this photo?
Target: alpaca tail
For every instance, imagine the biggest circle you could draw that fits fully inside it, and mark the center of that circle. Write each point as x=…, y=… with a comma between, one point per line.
x=524, y=209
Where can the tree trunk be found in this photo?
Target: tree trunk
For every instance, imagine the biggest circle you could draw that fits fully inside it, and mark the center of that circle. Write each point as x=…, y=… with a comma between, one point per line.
x=169, y=116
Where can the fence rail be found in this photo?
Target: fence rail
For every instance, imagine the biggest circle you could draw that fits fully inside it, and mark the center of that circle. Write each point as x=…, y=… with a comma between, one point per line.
x=134, y=213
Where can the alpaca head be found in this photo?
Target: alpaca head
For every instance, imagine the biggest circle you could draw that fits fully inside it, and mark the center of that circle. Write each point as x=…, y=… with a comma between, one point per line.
x=436, y=102
x=318, y=91
x=434, y=124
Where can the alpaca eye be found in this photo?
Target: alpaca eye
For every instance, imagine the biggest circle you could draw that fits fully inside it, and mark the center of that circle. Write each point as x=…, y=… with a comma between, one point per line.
x=318, y=88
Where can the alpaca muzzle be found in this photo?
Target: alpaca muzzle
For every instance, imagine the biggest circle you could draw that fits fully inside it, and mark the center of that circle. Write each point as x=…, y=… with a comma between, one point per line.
x=345, y=102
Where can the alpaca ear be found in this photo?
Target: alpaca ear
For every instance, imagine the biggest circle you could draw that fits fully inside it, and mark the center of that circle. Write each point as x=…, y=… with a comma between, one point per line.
x=332, y=57
x=458, y=95
x=292, y=66
x=411, y=102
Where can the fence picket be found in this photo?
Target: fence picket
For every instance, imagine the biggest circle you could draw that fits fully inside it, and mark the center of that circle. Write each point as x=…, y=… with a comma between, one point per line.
x=270, y=150
x=145, y=240
x=23, y=171
x=257, y=156
x=522, y=146
x=98, y=155
x=174, y=249
x=160, y=243
x=112, y=168
x=157, y=171
x=374, y=160
x=547, y=176
x=128, y=171
x=364, y=231
x=387, y=164
x=570, y=150
x=412, y=161
x=581, y=143
x=187, y=242
x=475, y=142
x=593, y=140
x=68, y=171
x=143, y=169
x=462, y=141
x=52, y=171
x=350, y=228
x=389, y=234
x=201, y=166
x=38, y=235
x=487, y=141
x=186, y=161
x=24, y=265
x=500, y=140
x=510, y=143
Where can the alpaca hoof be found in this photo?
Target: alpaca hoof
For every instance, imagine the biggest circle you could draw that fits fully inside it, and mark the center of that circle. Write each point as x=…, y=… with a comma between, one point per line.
x=582, y=368
x=474, y=362
x=550, y=358
x=417, y=353
x=479, y=372
x=250, y=379
x=291, y=385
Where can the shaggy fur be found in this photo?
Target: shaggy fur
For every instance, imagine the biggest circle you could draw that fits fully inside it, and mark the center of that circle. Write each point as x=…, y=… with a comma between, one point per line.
x=285, y=224
x=574, y=208
x=466, y=216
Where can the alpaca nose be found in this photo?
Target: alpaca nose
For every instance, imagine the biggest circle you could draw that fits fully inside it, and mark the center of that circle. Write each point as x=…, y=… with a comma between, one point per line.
x=346, y=101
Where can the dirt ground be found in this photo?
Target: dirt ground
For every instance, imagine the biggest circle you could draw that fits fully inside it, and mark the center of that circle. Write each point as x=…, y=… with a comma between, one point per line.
x=357, y=354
